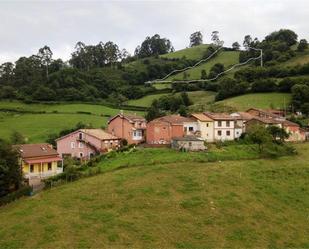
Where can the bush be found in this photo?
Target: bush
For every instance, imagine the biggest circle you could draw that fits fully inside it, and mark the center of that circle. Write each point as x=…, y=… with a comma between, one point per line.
x=23, y=191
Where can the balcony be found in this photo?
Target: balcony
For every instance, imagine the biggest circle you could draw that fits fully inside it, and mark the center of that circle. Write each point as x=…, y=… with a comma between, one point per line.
x=42, y=175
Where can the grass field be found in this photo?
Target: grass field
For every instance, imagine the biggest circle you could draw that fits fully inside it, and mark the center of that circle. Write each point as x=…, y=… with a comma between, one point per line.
x=196, y=97
x=36, y=127
x=194, y=53
x=234, y=204
x=227, y=58
x=300, y=59
x=258, y=100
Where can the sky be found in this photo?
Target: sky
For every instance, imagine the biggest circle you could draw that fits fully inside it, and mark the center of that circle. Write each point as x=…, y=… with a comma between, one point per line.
x=26, y=26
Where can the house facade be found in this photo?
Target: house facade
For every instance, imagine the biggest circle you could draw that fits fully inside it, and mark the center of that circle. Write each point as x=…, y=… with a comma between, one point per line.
x=205, y=126
x=129, y=127
x=85, y=143
x=224, y=126
x=39, y=161
x=163, y=129
x=188, y=143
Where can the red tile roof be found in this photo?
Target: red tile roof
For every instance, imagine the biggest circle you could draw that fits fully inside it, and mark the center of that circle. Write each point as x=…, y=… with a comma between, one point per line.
x=173, y=119
x=35, y=150
x=129, y=117
x=219, y=116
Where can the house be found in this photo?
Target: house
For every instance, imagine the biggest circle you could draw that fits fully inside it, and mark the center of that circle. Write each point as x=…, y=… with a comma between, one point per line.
x=262, y=113
x=224, y=126
x=296, y=134
x=85, y=143
x=162, y=130
x=240, y=122
x=129, y=127
x=189, y=143
x=38, y=161
x=205, y=126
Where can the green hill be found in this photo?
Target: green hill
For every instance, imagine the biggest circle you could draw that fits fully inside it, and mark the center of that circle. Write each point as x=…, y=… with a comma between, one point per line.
x=258, y=100
x=235, y=204
x=227, y=58
x=193, y=53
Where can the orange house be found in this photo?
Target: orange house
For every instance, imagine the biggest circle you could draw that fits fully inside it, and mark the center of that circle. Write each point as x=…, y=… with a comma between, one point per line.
x=129, y=127
x=163, y=129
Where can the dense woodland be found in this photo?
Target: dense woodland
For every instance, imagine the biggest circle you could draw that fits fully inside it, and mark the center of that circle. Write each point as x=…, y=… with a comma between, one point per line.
x=106, y=72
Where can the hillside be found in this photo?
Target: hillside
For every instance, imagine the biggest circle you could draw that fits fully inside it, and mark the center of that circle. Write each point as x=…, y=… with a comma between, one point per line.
x=193, y=53
x=37, y=121
x=172, y=205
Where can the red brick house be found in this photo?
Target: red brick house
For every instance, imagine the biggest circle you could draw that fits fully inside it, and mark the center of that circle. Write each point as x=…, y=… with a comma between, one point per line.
x=163, y=129
x=129, y=127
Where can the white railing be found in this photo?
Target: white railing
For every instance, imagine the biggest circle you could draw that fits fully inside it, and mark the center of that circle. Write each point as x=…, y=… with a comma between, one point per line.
x=43, y=174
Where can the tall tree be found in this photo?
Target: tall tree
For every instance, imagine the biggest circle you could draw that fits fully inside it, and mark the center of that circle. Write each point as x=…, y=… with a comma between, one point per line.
x=215, y=39
x=45, y=54
x=303, y=44
x=236, y=46
x=10, y=170
x=196, y=39
x=247, y=42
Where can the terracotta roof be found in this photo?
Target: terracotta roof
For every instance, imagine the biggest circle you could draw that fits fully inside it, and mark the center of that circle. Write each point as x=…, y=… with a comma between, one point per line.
x=99, y=133
x=173, y=119
x=201, y=117
x=289, y=123
x=36, y=150
x=219, y=116
x=267, y=120
x=242, y=115
x=129, y=117
x=265, y=112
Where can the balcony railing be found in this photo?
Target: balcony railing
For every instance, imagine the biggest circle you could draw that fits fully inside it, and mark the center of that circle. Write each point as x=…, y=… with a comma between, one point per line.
x=45, y=174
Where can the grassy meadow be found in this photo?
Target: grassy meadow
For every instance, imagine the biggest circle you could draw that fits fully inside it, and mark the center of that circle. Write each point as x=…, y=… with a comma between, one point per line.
x=37, y=126
x=258, y=100
x=170, y=204
x=194, y=53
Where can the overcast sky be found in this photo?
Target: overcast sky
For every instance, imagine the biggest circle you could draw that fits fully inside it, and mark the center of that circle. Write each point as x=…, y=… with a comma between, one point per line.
x=25, y=26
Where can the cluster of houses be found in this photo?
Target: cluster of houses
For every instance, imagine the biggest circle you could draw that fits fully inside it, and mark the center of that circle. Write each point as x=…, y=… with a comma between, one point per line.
x=41, y=160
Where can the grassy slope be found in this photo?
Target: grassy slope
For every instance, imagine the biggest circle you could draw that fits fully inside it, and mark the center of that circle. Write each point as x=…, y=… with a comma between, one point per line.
x=185, y=205
x=194, y=53
x=227, y=58
x=196, y=97
x=37, y=127
x=258, y=100
x=300, y=59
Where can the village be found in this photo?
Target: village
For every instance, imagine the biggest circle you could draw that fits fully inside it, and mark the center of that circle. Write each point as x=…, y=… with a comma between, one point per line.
x=192, y=133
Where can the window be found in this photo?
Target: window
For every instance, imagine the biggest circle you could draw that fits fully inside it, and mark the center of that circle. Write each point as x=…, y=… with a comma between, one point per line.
x=228, y=133
x=190, y=144
x=137, y=134
x=49, y=166
x=219, y=123
x=72, y=145
x=207, y=124
x=80, y=145
x=80, y=136
x=227, y=123
x=81, y=154
x=31, y=168
x=190, y=128
x=219, y=133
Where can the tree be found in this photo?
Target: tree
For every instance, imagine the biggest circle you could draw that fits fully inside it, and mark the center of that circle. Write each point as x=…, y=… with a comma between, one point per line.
x=236, y=46
x=153, y=111
x=247, y=42
x=45, y=54
x=277, y=133
x=10, y=170
x=203, y=74
x=283, y=35
x=154, y=45
x=17, y=138
x=185, y=98
x=303, y=45
x=259, y=135
x=196, y=39
x=183, y=111
x=215, y=39
x=215, y=70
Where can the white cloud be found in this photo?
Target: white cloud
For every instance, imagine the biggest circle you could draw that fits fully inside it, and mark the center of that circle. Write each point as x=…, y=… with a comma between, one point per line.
x=28, y=25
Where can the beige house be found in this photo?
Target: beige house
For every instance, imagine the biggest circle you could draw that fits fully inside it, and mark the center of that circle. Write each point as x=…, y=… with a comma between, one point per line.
x=205, y=126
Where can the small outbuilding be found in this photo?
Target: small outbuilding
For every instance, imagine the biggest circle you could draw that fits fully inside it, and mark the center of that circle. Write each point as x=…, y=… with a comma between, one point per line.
x=189, y=143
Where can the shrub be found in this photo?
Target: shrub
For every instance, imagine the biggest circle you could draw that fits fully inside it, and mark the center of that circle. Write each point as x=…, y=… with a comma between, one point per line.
x=23, y=191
